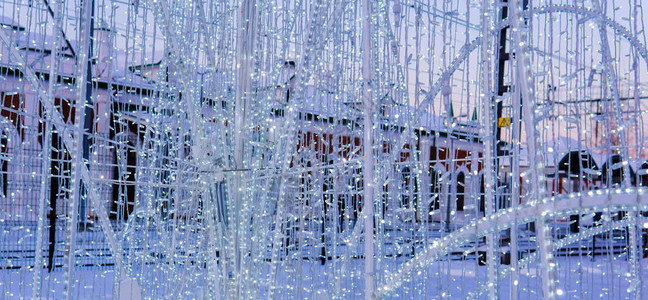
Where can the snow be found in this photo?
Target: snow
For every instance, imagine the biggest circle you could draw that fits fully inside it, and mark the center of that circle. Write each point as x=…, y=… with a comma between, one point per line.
x=579, y=277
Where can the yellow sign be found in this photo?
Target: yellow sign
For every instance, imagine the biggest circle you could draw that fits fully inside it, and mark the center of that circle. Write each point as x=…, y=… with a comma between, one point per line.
x=503, y=122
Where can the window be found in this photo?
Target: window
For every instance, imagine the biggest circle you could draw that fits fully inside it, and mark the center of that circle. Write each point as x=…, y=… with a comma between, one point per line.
x=461, y=190
x=12, y=110
x=435, y=189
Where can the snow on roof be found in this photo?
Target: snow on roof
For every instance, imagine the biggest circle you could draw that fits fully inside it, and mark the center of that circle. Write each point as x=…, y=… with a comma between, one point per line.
x=10, y=23
x=323, y=103
x=40, y=48
x=318, y=101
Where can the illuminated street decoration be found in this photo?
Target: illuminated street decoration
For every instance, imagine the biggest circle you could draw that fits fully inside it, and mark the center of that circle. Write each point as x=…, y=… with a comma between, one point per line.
x=323, y=149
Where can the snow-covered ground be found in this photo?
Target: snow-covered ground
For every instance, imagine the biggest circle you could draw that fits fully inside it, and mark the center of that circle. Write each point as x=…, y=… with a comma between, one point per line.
x=456, y=276
x=579, y=277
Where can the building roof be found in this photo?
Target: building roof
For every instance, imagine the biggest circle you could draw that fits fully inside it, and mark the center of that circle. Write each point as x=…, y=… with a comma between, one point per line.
x=39, y=47
x=316, y=101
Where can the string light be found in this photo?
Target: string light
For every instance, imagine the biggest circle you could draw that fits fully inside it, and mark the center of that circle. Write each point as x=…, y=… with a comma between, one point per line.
x=322, y=149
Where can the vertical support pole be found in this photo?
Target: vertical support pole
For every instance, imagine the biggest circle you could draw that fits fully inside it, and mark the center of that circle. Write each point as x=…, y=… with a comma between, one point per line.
x=515, y=192
x=502, y=58
x=637, y=244
x=450, y=155
x=40, y=219
x=536, y=160
x=87, y=116
x=45, y=167
x=515, y=140
x=77, y=149
x=367, y=102
x=489, y=138
x=245, y=48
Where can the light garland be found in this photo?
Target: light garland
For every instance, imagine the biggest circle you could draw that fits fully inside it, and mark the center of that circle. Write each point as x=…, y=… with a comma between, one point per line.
x=322, y=149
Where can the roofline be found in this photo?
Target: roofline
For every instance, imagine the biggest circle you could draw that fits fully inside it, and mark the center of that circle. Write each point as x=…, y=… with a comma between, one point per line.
x=12, y=26
x=310, y=116
x=102, y=84
x=138, y=67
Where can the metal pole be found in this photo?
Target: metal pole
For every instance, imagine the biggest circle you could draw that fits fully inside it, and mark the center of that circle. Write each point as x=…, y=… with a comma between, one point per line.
x=88, y=107
x=489, y=139
x=515, y=141
x=45, y=169
x=367, y=102
x=515, y=191
x=244, y=57
x=77, y=160
x=638, y=224
x=502, y=58
x=536, y=160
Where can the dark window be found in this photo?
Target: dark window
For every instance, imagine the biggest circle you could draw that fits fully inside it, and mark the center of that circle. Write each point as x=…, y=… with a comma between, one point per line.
x=461, y=191
x=4, y=164
x=435, y=189
x=12, y=110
